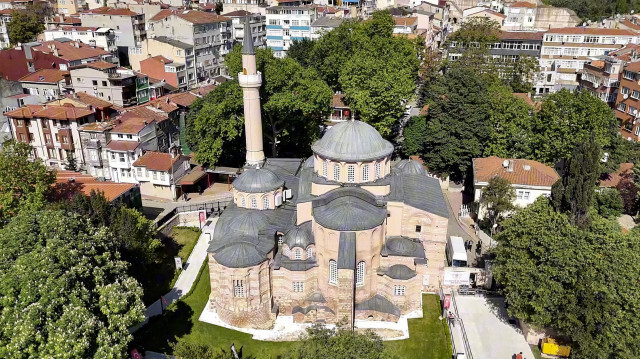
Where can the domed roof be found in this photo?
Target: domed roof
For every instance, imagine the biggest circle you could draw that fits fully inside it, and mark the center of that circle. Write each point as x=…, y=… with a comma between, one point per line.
x=239, y=254
x=297, y=237
x=348, y=209
x=411, y=167
x=352, y=141
x=402, y=245
x=257, y=180
x=248, y=223
x=400, y=271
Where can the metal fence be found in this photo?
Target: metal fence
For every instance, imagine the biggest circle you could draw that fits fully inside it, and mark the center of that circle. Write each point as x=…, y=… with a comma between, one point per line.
x=210, y=208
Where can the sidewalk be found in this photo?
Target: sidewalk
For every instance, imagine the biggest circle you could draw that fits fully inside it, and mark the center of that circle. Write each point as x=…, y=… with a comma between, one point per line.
x=188, y=276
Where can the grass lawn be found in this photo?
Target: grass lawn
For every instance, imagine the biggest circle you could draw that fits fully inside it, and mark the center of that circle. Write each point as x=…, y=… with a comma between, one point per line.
x=536, y=351
x=162, y=275
x=429, y=336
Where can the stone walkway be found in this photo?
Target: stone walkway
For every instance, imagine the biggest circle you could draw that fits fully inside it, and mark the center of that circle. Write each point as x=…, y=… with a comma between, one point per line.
x=458, y=228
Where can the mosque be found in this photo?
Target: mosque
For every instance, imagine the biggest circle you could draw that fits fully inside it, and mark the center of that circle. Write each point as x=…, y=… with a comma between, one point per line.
x=342, y=234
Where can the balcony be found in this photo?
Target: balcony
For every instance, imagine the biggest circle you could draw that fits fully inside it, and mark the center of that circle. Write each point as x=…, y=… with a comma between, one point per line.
x=250, y=80
x=94, y=144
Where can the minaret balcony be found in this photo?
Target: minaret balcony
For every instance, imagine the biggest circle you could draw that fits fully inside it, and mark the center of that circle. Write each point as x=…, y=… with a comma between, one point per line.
x=254, y=80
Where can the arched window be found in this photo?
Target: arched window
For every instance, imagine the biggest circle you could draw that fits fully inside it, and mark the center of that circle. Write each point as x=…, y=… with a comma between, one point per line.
x=365, y=173
x=336, y=172
x=351, y=173
x=254, y=203
x=243, y=202
x=297, y=254
x=309, y=252
x=238, y=288
x=378, y=169
x=398, y=290
x=333, y=272
x=324, y=168
x=360, y=273
x=265, y=202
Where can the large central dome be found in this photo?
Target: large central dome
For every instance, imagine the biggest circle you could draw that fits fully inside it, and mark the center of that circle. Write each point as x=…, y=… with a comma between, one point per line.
x=352, y=141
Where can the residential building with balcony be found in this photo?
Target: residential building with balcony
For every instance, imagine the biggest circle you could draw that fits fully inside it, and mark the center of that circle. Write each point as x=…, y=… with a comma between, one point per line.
x=69, y=7
x=5, y=18
x=325, y=24
x=129, y=137
x=258, y=24
x=286, y=24
x=102, y=110
x=208, y=34
x=252, y=6
x=602, y=78
x=47, y=84
x=107, y=82
x=101, y=37
x=94, y=138
x=520, y=16
x=173, y=73
x=565, y=51
x=405, y=25
x=57, y=21
x=481, y=11
x=628, y=101
x=158, y=174
x=128, y=26
x=52, y=131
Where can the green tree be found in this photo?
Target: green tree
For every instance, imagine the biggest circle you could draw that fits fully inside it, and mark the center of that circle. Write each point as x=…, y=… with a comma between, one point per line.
x=320, y=342
x=497, y=199
x=27, y=23
x=573, y=192
x=510, y=120
x=567, y=119
x=64, y=291
x=608, y=203
x=135, y=235
x=300, y=50
x=414, y=140
x=71, y=164
x=23, y=183
x=184, y=349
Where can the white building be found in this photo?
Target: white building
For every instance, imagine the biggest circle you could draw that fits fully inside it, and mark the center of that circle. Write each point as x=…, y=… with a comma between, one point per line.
x=101, y=37
x=286, y=24
x=258, y=27
x=520, y=16
x=5, y=18
x=128, y=139
x=530, y=179
x=325, y=24
x=158, y=173
x=565, y=51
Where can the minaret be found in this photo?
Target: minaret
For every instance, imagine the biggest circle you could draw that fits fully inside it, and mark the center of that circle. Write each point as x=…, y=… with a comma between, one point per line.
x=250, y=80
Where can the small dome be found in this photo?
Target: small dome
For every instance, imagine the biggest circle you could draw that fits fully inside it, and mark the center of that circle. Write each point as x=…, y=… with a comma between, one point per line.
x=297, y=237
x=413, y=167
x=402, y=245
x=258, y=180
x=352, y=141
x=248, y=223
x=239, y=254
x=400, y=271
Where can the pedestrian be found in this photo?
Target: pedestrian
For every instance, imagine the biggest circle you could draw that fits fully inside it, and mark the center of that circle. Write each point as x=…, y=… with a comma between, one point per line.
x=519, y=356
x=185, y=196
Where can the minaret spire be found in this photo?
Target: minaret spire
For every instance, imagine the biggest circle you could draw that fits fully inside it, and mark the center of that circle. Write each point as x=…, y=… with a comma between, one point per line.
x=250, y=79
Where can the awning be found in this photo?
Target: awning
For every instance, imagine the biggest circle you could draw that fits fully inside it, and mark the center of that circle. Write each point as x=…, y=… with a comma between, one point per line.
x=192, y=177
x=231, y=171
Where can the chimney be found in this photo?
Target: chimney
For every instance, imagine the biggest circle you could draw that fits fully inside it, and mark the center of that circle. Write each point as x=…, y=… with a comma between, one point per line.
x=510, y=166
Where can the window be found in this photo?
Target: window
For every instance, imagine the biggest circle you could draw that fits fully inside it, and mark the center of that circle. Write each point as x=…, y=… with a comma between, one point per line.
x=298, y=287
x=625, y=90
x=45, y=124
x=333, y=272
x=360, y=273
x=20, y=123
x=161, y=176
x=121, y=156
x=398, y=290
x=243, y=202
x=336, y=172
x=155, y=175
x=351, y=173
x=365, y=173
x=139, y=172
x=238, y=288
x=635, y=94
x=95, y=82
x=94, y=155
x=265, y=203
x=297, y=254
x=418, y=229
x=622, y=107
x=47, y=138
x=324, y=168
x=254, y=203
x=310, y=250
x=524, y=195
x=104, y=83
x=378, y=169
x=628, y=75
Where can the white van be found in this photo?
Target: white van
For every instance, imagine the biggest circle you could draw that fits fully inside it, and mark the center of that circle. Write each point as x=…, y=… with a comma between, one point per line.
x=456, y=254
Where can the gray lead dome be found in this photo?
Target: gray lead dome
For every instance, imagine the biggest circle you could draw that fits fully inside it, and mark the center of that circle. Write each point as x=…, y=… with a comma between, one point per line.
x=352, y=141
x=259, y=180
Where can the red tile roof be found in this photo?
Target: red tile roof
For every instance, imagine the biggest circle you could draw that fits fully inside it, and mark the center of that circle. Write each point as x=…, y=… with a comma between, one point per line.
x=202, y=91
x=50, y=111
x=338, y=101
x=537, y=174
x=61, y=19
x=522, y=4
x=69, y=183
x=184, y=99
x=142, y=112
x=123, y=145
x=69, y=52
x=87, y=99
x=24, y=112
x=129, y=123
x=237, y=13
x=101, y=65
x=161, y=15
x=527, y=98
x=613, y=179
x=111, y=11
x=45, y=75
x=628, y=23
x=192, y=16
x=157, y=161
x=405, y=21
x=591, y=31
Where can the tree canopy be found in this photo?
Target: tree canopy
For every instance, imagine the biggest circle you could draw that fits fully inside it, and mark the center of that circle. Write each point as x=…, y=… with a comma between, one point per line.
x=64, y=291
x=597, y=9
x=27, y=23
x=23, y=183
x=497, y=198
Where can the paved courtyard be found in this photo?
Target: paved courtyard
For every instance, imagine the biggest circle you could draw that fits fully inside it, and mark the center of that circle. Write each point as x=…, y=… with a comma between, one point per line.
x=490, y=334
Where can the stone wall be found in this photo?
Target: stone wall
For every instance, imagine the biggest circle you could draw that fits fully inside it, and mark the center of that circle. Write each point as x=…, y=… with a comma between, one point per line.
x=549, y=17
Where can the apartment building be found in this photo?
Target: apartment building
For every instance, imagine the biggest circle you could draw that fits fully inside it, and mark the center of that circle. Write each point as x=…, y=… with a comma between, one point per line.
x=107, y=82
x=325, y=24
x=102, y=110
x=128, y=26
x=602, y=78
x=208, y=34
x=252, y=6
x=128, y=138
x=286, y=24
x=69, y=7
x=628, y=101
x=52, y=131
x=5, y=18
x=94, y=138
x=47, y=84
x=565, y=51
x=519, y=16
x=405, y=25
x=158, y=173
x=512, y=45
x=171, y=72
x=258, y=25
x=57, y=21
x=101, y=37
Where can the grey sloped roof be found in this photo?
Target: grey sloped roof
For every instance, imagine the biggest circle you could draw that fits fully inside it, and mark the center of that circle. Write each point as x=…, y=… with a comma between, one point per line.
x=309, y=162
x=299, y=236
x=305, y=310
x=304, y=185
x=316, y=297
x=239, y=254
x=419, y=191
x=403, y=246
x=247, y=42
x=348, y=209
x=347, y=251
x=378, y=303
x=411, y=167
x=293, y=265
x=400, y=271
x=352, y=141
x=259, y=180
